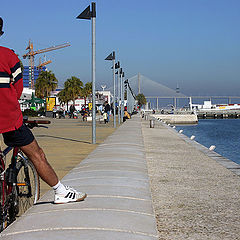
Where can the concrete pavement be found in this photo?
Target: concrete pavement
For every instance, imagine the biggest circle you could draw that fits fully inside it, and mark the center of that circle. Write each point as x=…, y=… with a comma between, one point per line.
x=118, y=206
x=194, y=195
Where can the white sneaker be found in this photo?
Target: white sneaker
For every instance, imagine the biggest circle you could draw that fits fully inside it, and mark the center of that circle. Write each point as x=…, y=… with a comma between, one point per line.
x=71, y=196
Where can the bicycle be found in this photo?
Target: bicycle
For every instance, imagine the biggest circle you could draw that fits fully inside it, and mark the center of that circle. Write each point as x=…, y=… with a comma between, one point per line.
x=19, y=182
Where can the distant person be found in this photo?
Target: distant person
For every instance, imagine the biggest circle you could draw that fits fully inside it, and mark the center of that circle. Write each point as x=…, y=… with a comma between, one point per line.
x=16, y=133
x=72, y=110
x=62, y=112
x=54, y=111
x=105, y=117
x=126, y=114
x=107, y=110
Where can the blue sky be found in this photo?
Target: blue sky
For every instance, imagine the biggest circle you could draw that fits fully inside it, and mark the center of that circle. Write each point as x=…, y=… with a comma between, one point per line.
x=192, y=43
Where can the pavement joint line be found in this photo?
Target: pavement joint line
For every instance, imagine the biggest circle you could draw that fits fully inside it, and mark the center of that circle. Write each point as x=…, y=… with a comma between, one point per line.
x=131, y=157
x=103, y=162
x=120, y=161
x=100, y=170
x=118, y=196
x=96, y=185
x=91, y=209
x=128, y=144
x=80, y=228
x=137, y=179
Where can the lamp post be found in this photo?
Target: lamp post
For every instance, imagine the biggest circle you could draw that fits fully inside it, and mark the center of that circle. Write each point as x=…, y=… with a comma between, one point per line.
x=91, y=15
x=112, y=57
x=119, y=95
x=117, y=66
x=122, y=97
x=120, y=102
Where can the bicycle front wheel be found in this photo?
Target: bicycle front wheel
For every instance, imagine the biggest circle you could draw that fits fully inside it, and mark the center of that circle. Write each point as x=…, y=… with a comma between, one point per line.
x=28, y=185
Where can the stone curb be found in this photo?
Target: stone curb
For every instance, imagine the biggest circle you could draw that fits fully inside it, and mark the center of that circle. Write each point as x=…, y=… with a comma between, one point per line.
x=118, y=206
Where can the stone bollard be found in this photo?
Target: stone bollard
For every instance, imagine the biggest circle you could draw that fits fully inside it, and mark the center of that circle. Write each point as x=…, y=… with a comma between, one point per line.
x=152, y=123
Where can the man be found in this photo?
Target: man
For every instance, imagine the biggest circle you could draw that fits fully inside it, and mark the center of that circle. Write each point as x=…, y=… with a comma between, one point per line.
x=72, y=110
x=54, y=111
x=16, y=133
x=107, y=110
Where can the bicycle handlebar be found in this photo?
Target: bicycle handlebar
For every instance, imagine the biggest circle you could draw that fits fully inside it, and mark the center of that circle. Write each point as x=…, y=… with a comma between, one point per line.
x=38, y=121
x=35, y=123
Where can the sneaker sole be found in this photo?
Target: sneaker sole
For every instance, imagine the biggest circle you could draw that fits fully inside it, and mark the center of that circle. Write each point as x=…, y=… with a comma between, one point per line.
x=78, y=200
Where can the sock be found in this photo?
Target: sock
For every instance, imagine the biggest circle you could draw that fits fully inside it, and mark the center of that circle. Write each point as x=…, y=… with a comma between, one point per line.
x=59, y=188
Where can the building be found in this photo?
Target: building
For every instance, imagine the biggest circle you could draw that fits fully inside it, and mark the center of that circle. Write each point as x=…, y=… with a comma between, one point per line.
x=27, y=74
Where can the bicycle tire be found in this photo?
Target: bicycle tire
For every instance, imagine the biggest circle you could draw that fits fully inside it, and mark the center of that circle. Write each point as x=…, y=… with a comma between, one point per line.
x=28, y=184
x=3, y=193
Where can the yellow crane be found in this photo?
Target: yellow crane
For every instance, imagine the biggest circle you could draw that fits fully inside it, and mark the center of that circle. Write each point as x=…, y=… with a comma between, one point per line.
x=31, y=53
x=41, y=64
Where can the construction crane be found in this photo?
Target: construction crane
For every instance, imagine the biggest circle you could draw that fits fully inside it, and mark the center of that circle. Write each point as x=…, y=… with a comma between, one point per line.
x=41, y=64
x=31, y=53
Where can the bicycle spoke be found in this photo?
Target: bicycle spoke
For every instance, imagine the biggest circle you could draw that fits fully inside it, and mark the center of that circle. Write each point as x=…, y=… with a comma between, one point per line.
x=28, y=187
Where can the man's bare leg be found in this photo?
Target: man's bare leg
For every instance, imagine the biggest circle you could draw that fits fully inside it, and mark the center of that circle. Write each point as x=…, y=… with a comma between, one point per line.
x=39, y=160
x=62, y=194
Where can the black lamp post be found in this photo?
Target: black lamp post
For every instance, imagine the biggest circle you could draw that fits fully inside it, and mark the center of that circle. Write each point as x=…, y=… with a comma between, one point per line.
x=112, y=58
x=91, y=15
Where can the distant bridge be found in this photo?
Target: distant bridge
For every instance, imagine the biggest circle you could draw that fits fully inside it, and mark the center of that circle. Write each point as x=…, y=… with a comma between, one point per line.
x=156, y=93
x=180, y=101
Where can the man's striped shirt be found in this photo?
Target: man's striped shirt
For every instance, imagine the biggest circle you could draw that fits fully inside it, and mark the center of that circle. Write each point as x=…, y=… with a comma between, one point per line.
x=11, y=86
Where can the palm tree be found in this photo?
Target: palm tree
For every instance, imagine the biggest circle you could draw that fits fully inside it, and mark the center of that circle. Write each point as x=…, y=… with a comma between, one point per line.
x=45, y=83
x=86, y=91
x=64, y=97
x=141, y=99
x=73, y=88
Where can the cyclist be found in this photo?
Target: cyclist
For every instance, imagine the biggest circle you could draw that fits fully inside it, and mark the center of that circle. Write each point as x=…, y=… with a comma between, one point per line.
x=16, y=133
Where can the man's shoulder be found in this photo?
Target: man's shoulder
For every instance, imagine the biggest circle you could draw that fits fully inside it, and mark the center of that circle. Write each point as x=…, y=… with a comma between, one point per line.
x=7, y=51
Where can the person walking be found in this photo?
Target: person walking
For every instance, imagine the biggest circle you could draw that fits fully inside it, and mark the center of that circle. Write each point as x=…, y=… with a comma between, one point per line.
x=107, y=110
x=16, y=133
x=54, y=111
x=72, y=110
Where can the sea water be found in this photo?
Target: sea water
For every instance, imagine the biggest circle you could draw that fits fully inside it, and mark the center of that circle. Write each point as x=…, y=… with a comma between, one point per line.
x=223, y=133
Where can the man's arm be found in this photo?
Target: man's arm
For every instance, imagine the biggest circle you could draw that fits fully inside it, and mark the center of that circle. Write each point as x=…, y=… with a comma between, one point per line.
x=17, y=75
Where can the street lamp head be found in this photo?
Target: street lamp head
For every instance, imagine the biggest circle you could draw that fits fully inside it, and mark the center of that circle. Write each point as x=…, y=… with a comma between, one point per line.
x=111, y=56
x=87, y=13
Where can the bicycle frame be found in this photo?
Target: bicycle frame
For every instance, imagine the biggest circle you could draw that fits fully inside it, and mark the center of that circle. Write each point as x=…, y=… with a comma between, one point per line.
x=12, y=188
x=8, y=177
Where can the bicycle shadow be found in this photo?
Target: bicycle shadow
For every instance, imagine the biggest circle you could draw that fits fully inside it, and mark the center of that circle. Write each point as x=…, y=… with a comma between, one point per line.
x=62, y=138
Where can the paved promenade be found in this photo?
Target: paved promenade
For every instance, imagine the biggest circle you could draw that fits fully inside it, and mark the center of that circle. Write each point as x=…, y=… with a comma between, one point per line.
x=191, y=196
x=194, y=196
x=118, y=205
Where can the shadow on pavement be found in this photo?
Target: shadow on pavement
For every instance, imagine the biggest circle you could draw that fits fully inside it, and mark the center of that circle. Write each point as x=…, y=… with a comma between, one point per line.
x=68, y=139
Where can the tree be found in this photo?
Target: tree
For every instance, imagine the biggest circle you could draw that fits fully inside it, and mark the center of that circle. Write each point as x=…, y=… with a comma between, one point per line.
x=45, y=83
x=64, y=97
x=86, y=91
x=141, y=99
x=73, y=88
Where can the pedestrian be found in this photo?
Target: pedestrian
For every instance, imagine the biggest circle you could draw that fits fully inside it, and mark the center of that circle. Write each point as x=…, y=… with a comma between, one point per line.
x=107, y=110
x=54, y=111
x=72, y=110
x=16, y=133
